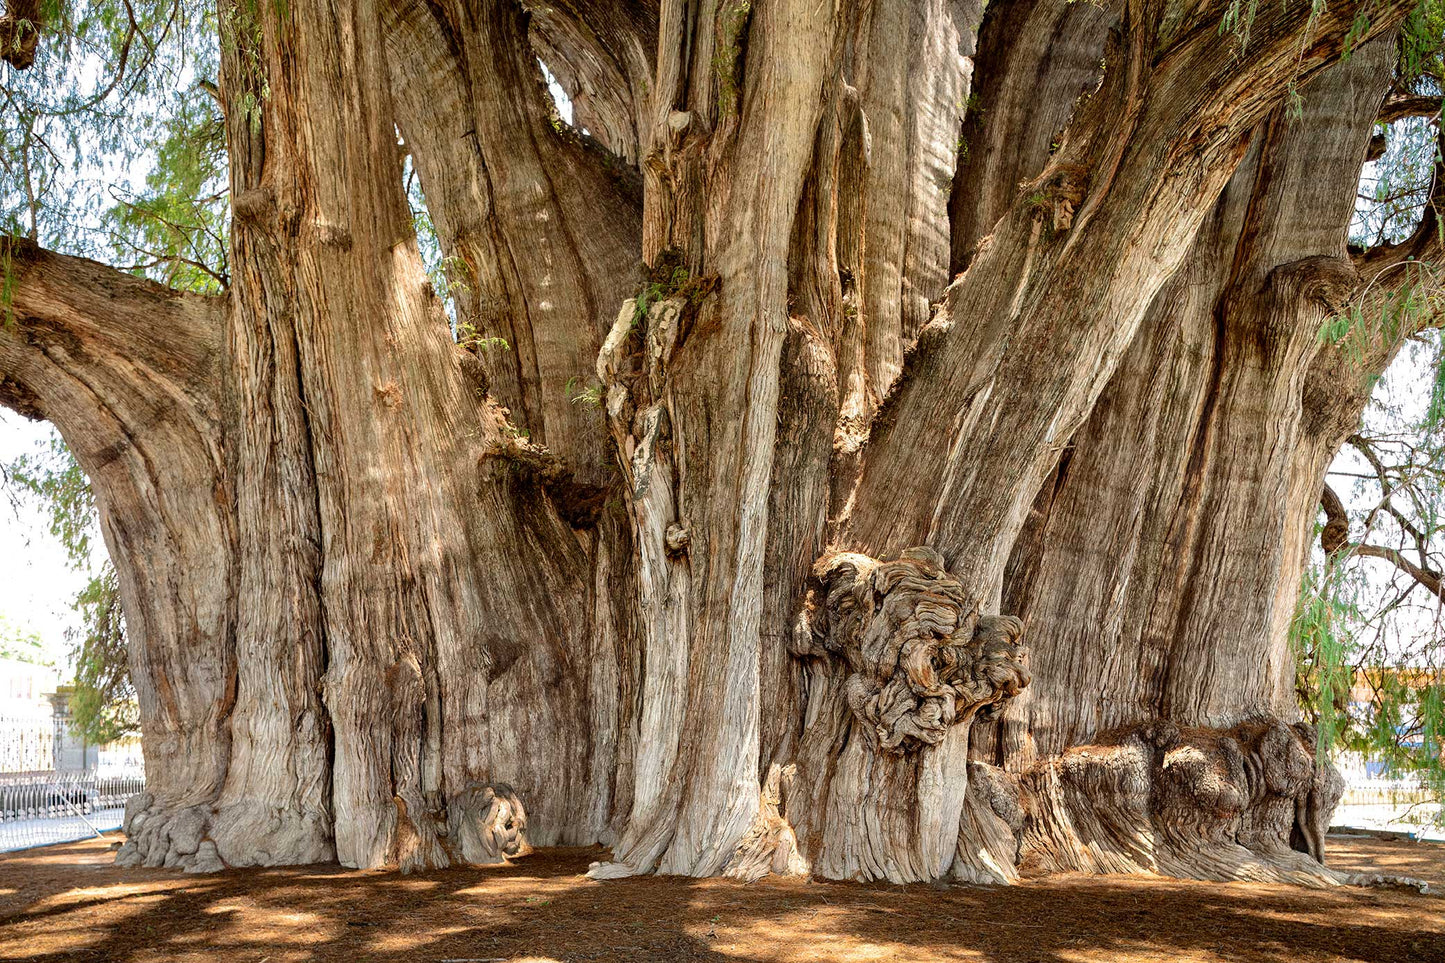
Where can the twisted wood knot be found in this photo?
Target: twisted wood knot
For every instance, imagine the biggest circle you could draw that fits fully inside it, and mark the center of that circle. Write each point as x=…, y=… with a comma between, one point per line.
x=487, y=824
x=252, y=204
x=1328, y=281
x=919, y=661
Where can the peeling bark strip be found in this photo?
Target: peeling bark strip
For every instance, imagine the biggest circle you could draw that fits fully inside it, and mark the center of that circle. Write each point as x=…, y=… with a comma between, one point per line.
x=404, y=602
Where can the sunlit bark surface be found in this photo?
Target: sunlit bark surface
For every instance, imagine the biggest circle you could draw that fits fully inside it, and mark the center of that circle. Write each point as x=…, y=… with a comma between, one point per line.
x=883, y=441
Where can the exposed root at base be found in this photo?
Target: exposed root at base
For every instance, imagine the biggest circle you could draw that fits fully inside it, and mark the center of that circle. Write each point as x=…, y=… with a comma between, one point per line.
x=1245, y=803
x=171, y=839
x=770, y=846
x=483, y=825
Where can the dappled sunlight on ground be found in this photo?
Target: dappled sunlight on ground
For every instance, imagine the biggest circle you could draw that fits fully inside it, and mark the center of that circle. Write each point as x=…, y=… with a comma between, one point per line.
x=70, y=903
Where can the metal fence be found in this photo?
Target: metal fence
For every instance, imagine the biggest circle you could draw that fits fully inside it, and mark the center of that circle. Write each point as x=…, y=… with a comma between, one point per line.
x=1382, y=790
x=26, y=743
x=40, y=808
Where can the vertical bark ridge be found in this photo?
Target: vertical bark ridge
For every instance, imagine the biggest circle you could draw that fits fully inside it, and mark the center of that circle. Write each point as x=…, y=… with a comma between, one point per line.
x=544, y=231
x=417, y=481
x=540, y=226
x=913, y=106
x=1196, y=445
x=1049, y=251
x=719, y=409
x=1036, y=63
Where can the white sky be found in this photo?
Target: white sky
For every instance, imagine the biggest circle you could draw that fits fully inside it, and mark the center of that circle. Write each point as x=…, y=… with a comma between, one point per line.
x=37, y=584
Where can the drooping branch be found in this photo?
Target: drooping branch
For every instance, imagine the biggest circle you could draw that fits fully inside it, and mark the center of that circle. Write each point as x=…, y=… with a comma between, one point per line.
x=1334, y=539
x=1400, y=106
x=128, y=371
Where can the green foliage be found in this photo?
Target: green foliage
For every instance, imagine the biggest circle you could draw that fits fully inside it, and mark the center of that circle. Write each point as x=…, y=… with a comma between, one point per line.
x=110, y=143
x=1321, y=641
x=1397, y=188
x=669, y=278
x=178, y=224
x=108, y=77
x=240, y=34
x=56, y=483
x=1422, y=53
x=580, y=394
x=469, y=337
x=1400, y=720
x=1368, y=618
x=22, y=644
x=1367, y=637
x=8, y=280
x=102, y=704
x=1393, y=307
x=1238, y=20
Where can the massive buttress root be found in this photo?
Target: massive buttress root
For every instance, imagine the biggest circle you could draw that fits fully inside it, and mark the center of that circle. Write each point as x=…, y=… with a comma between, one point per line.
x=1248, y=802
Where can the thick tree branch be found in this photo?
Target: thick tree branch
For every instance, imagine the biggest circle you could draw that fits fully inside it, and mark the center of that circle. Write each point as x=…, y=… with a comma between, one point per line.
x=1428, y=578
x=540, y=227
x=1401, y=106
x=602, y=52
x=1144, y=158
x=129, y=372
x=74, y=325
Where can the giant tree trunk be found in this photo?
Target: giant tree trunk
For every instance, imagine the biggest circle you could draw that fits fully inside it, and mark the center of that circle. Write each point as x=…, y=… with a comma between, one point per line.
x=689, y=548
x=1174, y=529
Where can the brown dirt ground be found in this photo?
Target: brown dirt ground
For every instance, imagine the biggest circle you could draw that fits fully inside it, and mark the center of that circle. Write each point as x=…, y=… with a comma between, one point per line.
x=70, y=903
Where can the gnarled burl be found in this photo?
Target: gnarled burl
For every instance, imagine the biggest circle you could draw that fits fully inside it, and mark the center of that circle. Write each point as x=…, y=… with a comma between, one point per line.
x=921, y=658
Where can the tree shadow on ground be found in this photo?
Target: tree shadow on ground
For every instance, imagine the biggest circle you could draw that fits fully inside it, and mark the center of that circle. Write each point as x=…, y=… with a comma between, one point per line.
x=70, y=904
